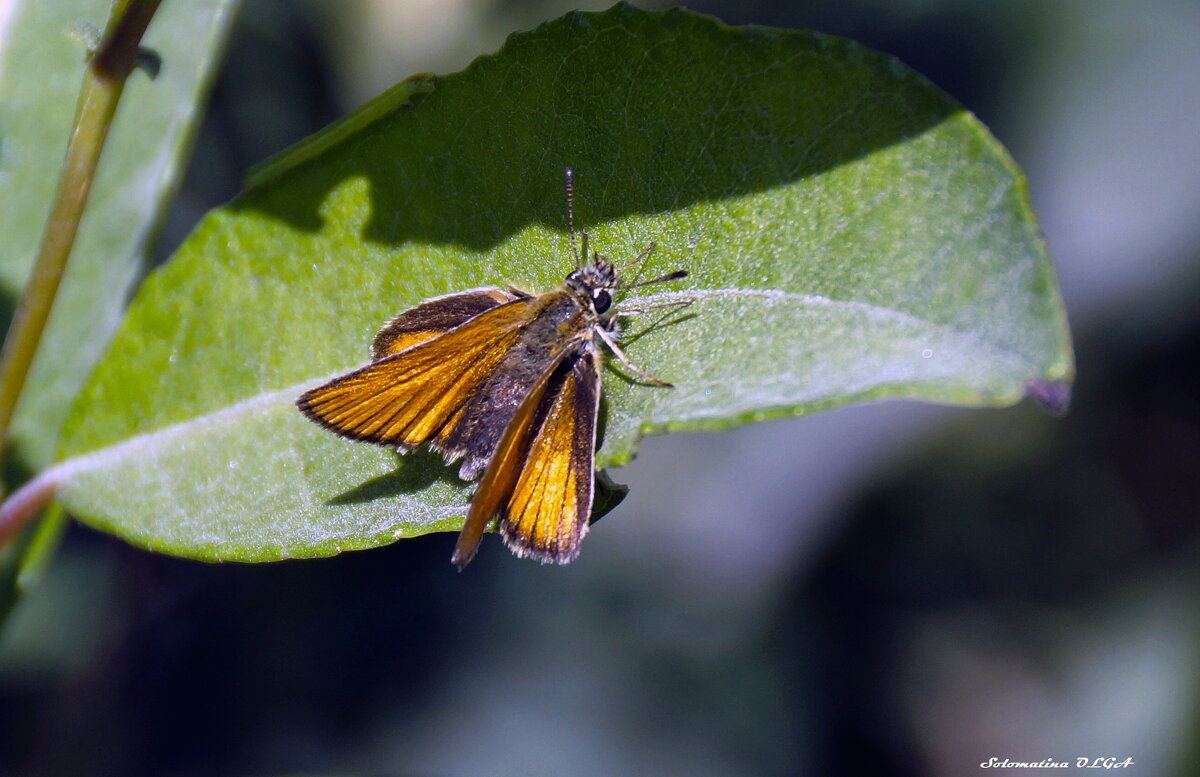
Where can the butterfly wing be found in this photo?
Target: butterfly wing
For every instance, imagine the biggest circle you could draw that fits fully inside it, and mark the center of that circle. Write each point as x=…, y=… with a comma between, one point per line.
x=405, y=398
x=548, y=512
x=539, y=480
x=435, y=316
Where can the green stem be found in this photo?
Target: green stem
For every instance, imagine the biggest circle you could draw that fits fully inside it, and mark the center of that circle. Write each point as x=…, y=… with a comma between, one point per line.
x=103, y=83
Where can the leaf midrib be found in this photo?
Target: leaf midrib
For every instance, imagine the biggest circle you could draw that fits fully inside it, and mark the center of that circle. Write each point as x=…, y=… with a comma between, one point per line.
x=119, y=451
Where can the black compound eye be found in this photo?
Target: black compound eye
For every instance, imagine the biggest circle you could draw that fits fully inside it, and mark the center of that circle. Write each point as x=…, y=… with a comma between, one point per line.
x=601, y=300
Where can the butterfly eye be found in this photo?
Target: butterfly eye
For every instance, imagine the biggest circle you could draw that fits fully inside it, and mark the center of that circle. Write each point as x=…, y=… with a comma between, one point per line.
x=601, y=300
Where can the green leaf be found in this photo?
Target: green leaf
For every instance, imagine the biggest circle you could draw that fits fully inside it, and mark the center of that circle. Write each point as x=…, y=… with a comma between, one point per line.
x=851, y=234
x=41, y=69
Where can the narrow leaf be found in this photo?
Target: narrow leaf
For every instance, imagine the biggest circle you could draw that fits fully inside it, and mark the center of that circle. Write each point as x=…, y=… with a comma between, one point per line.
x=41, y=69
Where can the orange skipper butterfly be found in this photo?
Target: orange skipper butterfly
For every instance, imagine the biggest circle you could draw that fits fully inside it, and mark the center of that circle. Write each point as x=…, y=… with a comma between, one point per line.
x=508, y=382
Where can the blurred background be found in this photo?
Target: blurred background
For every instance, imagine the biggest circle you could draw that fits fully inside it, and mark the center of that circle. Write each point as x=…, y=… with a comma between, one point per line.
x=891, y=589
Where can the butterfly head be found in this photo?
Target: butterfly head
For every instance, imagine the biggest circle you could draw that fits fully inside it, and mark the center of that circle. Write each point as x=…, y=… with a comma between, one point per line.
x=596, y=282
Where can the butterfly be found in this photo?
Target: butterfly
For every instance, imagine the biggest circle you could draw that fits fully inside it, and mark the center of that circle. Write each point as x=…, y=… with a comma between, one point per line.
x=507, y=381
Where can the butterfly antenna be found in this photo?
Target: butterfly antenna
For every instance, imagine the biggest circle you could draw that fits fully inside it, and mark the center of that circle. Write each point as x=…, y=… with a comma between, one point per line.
x=571, y=220
x=671, y=276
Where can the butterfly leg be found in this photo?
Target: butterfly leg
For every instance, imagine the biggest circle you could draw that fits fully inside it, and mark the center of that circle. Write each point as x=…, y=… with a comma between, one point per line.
x=616, y=349
x=639, y=258
x=625, y=313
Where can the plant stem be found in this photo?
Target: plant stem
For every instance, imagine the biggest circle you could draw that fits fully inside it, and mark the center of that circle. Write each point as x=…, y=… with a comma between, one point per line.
x=103, y=83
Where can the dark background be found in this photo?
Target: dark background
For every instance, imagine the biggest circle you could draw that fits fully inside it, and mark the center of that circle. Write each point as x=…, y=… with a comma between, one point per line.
x=891, y=589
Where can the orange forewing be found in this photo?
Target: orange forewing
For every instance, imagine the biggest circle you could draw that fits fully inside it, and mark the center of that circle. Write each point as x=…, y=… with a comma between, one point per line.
x=405, y=398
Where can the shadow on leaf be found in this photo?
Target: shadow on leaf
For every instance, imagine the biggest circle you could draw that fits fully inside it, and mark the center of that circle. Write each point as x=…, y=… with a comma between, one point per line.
x=654, y=111
x=415, y=472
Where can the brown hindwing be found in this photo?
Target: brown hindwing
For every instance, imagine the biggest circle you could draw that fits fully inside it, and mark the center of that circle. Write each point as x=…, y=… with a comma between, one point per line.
x=435, y=316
